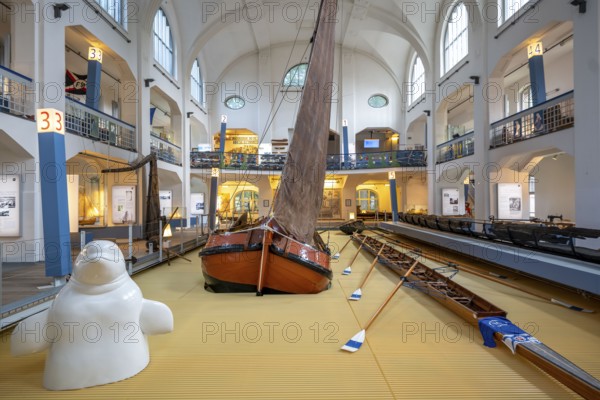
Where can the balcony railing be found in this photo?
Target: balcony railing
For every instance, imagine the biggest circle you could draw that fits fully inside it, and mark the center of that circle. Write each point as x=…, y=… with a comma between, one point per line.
x=551, y=116
x=456, y=148
x=16, y=94
x=335, y=162
x=165, y=150
x=95, y=125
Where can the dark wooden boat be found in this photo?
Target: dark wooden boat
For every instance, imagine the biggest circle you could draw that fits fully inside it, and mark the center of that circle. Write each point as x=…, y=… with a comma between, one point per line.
x=472, y=308
x=282, y=254
x=353, y=226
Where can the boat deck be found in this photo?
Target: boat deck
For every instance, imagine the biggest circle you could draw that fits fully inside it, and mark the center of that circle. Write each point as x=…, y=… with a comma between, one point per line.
x=239, y=346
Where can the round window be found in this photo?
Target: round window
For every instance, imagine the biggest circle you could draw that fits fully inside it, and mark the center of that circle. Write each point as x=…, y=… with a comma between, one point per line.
x=378, y=101
x=235, y=102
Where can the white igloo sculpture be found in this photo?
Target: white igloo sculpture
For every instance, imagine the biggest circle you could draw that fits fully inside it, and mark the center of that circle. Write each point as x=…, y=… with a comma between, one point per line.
x=96, y=328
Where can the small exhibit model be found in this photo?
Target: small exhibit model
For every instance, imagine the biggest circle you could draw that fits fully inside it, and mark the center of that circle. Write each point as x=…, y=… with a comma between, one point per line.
x=96, y=328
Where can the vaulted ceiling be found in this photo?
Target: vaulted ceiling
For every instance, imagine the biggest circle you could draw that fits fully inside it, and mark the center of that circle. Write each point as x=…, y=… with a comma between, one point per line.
x=223, y=31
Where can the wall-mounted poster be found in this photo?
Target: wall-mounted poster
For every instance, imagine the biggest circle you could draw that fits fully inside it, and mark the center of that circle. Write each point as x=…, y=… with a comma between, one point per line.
x=510, y=204
x=450, y=202
x=197, y=204
x=123, y=204
x=166, y=202
x=10, y=221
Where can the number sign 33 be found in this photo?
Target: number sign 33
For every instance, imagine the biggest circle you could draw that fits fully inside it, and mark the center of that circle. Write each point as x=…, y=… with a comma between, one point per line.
x=50, y=120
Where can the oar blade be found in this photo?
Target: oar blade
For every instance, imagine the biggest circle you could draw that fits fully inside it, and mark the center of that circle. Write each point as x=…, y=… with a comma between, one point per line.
x=355, y=342
x=570, y=306
x=335, y=256
x=356, y=295
x=347, y=271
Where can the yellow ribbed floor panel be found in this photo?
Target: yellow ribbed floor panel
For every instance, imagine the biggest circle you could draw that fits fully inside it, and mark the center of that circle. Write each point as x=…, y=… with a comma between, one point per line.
x=239, y=346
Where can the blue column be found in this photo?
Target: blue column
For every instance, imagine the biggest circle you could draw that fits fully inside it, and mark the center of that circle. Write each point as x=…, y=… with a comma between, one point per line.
x=394, y=197
x=222, y=136
x=92, y=97
x=537, y=79
x=212, y=210
x=55, y=208
x=346, y=149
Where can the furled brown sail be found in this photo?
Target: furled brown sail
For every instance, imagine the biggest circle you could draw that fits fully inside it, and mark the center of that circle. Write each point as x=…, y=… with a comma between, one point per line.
x=298, y=200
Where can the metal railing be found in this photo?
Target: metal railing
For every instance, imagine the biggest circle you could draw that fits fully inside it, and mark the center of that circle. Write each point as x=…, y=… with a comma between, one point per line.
x=551, y=116
x=17, y=94
x=95, y=125
x=456, y=148
x=335, y=162
x=165, y=150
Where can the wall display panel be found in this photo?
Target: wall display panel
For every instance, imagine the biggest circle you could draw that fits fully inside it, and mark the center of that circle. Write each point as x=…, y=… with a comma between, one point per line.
x=123, y=204
x=510, y=201
x=197, y=204
x=166, y=202
x=10, y=212
x=451, y=202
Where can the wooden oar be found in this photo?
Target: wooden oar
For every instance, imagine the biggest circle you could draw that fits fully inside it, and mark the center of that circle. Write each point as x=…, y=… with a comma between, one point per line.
x=357, y=340
x=520, y=288
x=337, y=255
x=358, y=292
x=348, y=269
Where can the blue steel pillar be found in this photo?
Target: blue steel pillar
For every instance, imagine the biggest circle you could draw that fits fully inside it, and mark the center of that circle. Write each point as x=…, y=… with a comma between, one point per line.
x=345, y=141
x=537, y=78
x=214, y=179
x=55, y=206
x=92, y=98
x=393, y=196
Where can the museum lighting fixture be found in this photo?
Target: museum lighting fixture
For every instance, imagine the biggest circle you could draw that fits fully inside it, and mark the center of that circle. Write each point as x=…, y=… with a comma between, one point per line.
x=59, y=8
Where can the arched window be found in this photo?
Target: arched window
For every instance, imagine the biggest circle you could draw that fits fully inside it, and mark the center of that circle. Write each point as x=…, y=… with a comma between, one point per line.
x=117, y=9
x=417, y=80
x=246, y=200
x=196, y=85
x=525, y=98
x=367, y=200
x=508, y=8
x=164, y=49
x=296, y=76
x=456, y=37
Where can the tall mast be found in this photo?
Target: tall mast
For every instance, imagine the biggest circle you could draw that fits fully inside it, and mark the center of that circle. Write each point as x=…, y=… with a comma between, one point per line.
x=298, y=200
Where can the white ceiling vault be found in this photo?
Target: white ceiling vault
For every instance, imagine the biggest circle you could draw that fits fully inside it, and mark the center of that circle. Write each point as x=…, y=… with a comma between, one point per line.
x=220, y=32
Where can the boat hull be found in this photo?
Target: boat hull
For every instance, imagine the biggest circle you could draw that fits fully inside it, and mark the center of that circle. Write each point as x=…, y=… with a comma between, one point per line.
x=231, y=262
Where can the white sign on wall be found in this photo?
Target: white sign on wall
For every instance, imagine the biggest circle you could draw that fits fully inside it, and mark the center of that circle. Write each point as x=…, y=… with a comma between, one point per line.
x=73, y=199
x=9, y=206
x=197, y=204
x=510, y=201
x=123, y=204
x=166, y=202
x=450, y=202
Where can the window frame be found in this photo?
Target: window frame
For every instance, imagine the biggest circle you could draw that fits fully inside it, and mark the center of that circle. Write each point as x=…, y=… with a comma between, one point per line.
x=162, y=33
x=293, y=84
x=196, y=83
x=456, y=48
x=372, y=200
x=418, y=82
x=118, y=12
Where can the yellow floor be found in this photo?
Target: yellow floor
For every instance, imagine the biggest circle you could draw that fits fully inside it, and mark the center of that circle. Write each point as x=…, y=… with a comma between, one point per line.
x=239, y=346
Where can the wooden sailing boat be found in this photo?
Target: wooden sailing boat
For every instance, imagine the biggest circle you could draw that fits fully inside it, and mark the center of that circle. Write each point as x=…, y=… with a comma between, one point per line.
x=475, y=310
x=282, y=254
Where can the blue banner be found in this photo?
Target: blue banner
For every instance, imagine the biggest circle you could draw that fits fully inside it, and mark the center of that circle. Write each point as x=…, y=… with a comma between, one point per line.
x=512, y=335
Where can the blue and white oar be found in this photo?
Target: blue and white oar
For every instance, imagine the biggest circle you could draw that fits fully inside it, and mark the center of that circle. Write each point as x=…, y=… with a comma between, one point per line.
x=357, y=340
x=358, y=292
x=339, y=253
x=348, y=270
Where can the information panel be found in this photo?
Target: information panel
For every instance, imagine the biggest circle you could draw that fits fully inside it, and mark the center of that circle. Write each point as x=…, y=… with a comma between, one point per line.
x=10, y=221
x=123, y=204
x=197, y=204
x=166, y=202
x=510, y=204
x=450, y=202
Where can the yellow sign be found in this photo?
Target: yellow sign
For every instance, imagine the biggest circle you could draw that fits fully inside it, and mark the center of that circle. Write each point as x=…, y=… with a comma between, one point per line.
x=391, y=175
x=95, y=54
x=50, y=120
x=535, y=49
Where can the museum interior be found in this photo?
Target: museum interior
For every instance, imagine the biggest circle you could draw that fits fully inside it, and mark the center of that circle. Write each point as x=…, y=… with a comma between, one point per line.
x=464, y=130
